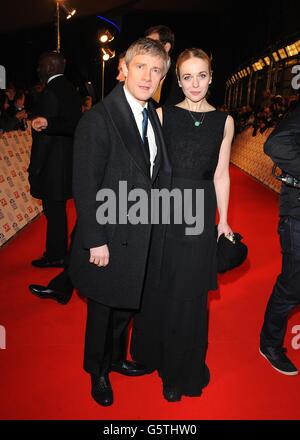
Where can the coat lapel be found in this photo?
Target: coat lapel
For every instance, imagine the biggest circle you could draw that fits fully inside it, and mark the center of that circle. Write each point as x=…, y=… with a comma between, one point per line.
x=122, y=117
x=157, y=130
x=162, y=156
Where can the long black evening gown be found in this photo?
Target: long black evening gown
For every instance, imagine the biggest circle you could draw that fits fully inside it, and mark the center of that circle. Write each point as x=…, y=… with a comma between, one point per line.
x=170, y=332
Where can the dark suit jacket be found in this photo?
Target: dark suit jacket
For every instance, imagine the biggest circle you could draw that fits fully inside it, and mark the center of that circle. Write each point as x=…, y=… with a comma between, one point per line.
x=108, y=149
x=171, y=93
x=283, y=146
x=50, y=168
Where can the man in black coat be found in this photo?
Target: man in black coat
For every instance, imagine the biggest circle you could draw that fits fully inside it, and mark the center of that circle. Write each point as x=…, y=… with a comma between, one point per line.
x=57, y=113
x=283, y=146
x=168, y=92
x=119, y=148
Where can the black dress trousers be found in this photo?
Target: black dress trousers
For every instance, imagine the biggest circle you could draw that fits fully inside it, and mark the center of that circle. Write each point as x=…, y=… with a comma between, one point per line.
x=105, y=338
x=57, y=229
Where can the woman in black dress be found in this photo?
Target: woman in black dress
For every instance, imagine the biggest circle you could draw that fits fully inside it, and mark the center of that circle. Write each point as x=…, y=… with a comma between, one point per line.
x=170, y=332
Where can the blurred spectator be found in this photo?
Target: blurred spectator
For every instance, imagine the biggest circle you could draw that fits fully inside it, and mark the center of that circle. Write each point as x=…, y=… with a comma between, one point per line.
x=87, y=103
x=222, y=108
x=268, y=115
x=17, y=109
x=34, y=95
x=10, y=93
x=9, y=122
x=120, y=77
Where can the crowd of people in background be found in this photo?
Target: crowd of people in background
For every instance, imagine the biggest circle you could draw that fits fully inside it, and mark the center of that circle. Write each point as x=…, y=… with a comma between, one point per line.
x=16, y=106
x=268, y=114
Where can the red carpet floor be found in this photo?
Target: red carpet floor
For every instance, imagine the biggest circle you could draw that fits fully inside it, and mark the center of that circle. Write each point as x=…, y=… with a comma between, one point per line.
x=41, y=375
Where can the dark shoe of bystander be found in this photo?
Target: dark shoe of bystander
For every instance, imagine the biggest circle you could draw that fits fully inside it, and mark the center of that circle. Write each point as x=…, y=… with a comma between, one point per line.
x=278, y=360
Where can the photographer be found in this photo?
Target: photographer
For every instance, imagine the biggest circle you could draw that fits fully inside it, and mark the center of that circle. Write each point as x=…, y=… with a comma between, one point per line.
x=283, y=146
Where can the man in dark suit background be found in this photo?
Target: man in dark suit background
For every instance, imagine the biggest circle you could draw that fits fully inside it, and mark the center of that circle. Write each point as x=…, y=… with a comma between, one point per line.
x=119, y=140
x=57, y=113
x=168, y=92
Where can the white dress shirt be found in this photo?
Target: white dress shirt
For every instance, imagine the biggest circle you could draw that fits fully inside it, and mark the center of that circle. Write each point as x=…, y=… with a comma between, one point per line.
x=137, y=110
x=54, y=76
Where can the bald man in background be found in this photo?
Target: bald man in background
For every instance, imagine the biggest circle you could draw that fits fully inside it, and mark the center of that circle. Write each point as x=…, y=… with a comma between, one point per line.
x=57, y=113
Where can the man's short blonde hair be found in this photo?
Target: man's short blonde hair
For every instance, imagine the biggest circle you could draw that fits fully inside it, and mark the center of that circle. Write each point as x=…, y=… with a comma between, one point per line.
x=146, y=46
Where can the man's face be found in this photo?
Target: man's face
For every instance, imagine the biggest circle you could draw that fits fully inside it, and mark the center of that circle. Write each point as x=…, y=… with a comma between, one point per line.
x=143, y=75
x=43, y=69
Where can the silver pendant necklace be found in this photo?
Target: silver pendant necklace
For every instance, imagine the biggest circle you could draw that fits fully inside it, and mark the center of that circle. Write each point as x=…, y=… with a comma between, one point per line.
x=197, y=122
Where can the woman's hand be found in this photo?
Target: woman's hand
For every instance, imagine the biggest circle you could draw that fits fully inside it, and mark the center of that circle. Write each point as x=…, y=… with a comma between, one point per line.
x=224, y=228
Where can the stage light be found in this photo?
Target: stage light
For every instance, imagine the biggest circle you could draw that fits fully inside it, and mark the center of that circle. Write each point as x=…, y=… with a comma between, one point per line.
x=106, y=37
x=275, y=56
x=107, y=54
x=69, y=12
x=267, y=60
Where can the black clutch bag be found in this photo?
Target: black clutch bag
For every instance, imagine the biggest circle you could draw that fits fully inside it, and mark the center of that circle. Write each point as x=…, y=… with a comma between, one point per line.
x=231, y=252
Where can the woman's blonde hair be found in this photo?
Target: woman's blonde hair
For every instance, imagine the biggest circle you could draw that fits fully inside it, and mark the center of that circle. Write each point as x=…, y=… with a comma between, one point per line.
x=192, y=53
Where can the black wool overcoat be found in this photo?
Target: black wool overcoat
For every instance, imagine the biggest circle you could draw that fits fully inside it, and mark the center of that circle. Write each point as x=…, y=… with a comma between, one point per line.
x=108, y=149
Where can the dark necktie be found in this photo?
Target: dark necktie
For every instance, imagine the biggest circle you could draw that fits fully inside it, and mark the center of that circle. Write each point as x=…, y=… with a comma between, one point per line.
x=144, y=132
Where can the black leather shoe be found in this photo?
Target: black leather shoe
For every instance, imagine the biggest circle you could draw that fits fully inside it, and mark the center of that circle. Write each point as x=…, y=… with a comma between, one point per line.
x=129, y=368
x=171, y=394
x=44, y=262
x=45, y=293
x=102, y=391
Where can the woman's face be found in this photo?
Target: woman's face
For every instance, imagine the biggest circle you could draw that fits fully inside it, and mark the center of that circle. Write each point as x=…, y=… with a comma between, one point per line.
x=195, y=78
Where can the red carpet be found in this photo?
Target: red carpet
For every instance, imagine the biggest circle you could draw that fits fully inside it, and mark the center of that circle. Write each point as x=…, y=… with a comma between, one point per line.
x=41, y=375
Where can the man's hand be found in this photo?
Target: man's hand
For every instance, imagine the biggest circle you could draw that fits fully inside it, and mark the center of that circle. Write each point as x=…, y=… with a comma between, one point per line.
x=39, y=123
x=99, y=255
x=21, y=115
